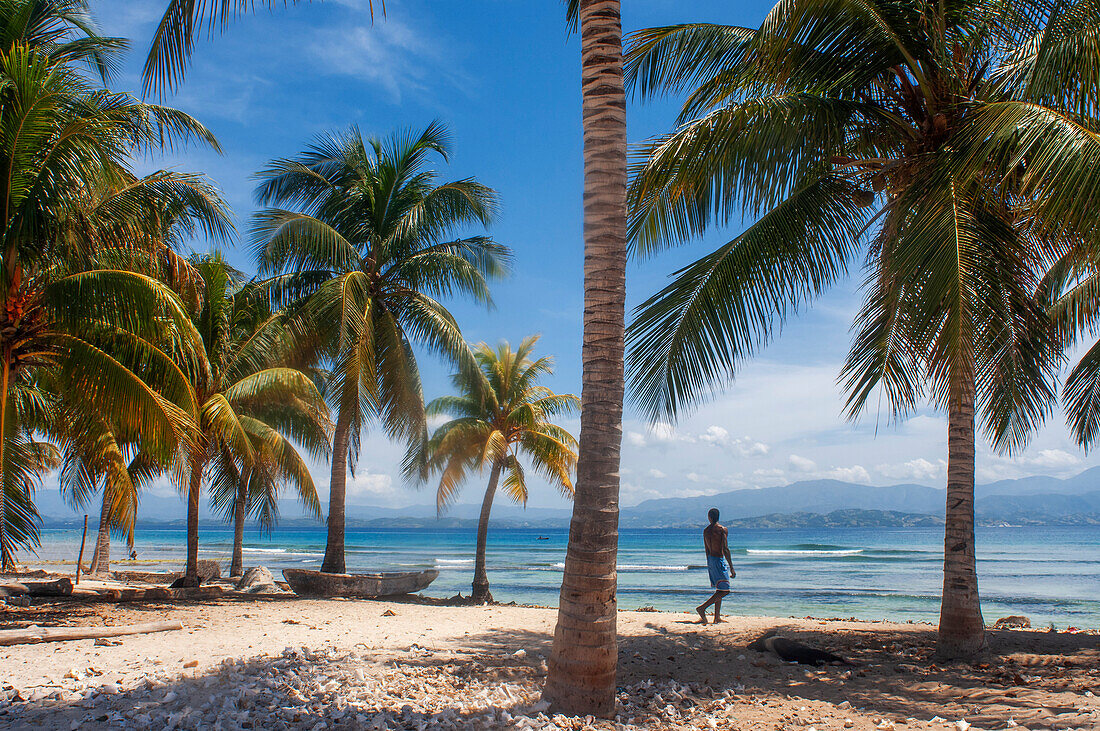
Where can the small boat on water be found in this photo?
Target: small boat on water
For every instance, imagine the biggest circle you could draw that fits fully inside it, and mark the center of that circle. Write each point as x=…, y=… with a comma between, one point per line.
x=365, y=586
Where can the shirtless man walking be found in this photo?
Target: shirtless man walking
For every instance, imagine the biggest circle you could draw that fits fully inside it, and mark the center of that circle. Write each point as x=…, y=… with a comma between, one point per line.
x=719, y=564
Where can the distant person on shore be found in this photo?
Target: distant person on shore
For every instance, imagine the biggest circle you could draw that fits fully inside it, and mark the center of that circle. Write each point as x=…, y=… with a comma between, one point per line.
x=719, y=564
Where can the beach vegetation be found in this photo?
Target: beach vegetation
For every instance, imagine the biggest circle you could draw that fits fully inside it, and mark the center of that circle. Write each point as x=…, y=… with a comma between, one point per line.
x=366, y=242
x=499, y=415
x=947, y=146
x=253, y=413
x=80, y=333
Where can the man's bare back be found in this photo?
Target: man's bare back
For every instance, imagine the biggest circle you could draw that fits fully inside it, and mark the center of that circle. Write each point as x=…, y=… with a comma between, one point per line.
x=715, y=537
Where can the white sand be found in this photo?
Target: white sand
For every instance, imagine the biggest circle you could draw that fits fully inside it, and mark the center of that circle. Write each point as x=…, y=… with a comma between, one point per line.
x=457, y=667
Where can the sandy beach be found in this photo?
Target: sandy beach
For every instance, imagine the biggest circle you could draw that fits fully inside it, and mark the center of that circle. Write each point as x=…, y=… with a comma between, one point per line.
x=316, y=664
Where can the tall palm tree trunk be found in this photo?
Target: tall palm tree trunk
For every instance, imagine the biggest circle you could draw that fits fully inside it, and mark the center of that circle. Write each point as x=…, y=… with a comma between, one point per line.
x=581, y=678
x=101, y=557
x=962, y=630
x=236, y=567
x=7, y=562
x=191, y=574
x=334, y=547
x=481, y=579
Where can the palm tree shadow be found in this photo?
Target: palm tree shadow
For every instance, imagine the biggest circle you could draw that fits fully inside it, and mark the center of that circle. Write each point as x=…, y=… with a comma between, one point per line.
x=1027, y=676
x=1030, y=677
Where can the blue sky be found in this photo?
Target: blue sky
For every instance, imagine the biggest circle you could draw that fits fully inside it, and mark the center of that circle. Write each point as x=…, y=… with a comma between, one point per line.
x=505, y=78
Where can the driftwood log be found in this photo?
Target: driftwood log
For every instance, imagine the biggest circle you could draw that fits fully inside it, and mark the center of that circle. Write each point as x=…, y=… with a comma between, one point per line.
x=33, y=634
x=60, y=587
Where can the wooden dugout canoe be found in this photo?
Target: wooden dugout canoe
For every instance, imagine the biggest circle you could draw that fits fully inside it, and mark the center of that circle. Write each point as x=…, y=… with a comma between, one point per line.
x=365, y=586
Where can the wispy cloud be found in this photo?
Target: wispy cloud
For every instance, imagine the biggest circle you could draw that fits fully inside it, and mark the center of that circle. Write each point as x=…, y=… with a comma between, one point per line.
x=391, y=55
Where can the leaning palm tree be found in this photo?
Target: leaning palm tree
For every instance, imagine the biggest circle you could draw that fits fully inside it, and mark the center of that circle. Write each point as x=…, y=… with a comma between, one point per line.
x=250, y=405
x=500, y=414
x=950, y=142
x=96, y=460
x=361, y=260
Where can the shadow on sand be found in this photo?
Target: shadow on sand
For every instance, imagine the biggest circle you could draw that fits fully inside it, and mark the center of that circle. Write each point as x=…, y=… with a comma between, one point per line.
x=1034, y=678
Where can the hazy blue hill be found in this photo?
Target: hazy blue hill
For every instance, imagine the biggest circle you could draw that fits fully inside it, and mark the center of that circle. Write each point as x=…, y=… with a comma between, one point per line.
x=1087, y=481
x=1050, y=509
x=812, y=496
x=850, y=518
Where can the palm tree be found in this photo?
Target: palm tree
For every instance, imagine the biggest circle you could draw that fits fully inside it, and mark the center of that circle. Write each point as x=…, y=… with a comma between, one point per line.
x=362, y=260
x=582, y=667
x=65, y=317
x=1070, y=291
x=500, y=414
x=250, y=405
x=94, y=458
x=255, y=491
x=61, y=32
x=27, y=458
x=947, y=141
x=581, y=677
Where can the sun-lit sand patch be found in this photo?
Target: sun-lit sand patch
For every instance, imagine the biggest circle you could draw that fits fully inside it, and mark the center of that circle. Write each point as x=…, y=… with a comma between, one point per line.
x=295, y=663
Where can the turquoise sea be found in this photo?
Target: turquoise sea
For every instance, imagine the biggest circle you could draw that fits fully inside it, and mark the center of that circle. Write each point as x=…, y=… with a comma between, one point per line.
x=1048, y=574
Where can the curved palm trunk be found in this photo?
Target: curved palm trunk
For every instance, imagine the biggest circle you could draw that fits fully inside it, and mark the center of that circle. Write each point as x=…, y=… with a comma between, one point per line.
x=481, y=579
x=962, y=630
x=191, y=574
x=101, y=558
x=236, y=567
x=334, y=547
x=581, y=678
x=7, y=562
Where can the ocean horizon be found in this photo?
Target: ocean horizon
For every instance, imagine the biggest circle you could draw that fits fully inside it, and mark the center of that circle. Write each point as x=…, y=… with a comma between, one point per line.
x=1051, y=575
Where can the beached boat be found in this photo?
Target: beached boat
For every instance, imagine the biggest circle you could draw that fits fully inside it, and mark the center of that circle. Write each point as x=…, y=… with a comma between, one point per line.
x=315, y=583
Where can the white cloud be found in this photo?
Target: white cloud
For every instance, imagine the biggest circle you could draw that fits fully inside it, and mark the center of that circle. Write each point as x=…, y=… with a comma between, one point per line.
x=1048, y=461
x=1055, y=459
x=745, y=446
x=370, y=484
x=715, y=435
x=389, y=54
x=657, y=434
x=657, y=474
x=914, y=469
x=696, y=477
x=801, y=464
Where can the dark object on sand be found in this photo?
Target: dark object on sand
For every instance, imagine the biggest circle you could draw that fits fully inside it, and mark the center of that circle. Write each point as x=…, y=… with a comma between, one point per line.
x=791, y=651
x=207, y=569
x=365, y=586
x=1015, y=621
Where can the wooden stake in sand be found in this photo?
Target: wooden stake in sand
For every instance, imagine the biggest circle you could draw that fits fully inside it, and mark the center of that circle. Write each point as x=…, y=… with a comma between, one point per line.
x=35, y=633
x=80, y=556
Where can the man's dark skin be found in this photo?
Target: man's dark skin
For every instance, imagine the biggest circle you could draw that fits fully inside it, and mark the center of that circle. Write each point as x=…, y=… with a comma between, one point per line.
x=715, y=543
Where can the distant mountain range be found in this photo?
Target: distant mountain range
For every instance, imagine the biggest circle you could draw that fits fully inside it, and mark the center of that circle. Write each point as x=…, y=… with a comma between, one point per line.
x=1027, y=501
x=812, y=503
